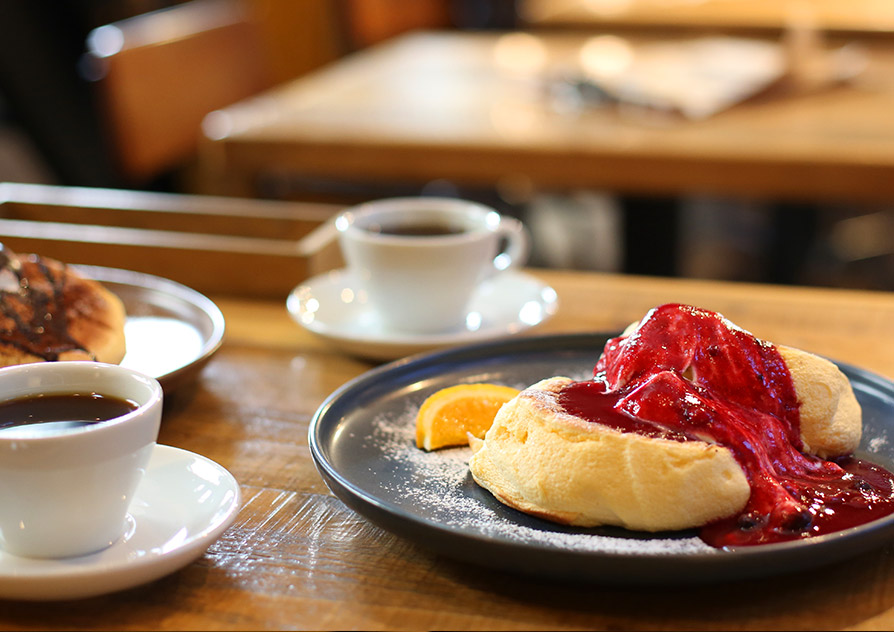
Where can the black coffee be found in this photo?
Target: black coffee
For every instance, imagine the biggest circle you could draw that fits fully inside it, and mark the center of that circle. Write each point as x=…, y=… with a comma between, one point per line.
x=417, y=230
x=52, y=414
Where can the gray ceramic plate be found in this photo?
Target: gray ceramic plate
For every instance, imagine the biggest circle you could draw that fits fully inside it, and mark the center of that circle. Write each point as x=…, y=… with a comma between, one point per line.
x=171, y=330
x=362, y=440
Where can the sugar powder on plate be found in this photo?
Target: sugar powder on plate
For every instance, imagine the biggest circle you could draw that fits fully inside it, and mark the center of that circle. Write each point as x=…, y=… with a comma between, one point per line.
x=437, y=482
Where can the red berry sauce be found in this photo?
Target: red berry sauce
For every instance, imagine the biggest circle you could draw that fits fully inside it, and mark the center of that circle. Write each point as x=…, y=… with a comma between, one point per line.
x=689, y=374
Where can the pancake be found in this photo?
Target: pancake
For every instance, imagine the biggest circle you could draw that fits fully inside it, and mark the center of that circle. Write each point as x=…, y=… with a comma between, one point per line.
x=541, y=460
x=831, y=419
x=49, y=312
x=661, y=464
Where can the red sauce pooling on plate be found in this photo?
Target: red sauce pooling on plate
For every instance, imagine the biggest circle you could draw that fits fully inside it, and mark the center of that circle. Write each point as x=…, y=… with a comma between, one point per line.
x=689, y=374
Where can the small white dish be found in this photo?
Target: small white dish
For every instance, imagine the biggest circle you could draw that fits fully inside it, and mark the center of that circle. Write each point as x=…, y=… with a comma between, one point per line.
x=184, y=503
x=335, y=307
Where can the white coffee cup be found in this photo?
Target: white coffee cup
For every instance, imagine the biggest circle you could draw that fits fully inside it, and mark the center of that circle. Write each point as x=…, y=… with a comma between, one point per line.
x=420, y=259
x=66, y=493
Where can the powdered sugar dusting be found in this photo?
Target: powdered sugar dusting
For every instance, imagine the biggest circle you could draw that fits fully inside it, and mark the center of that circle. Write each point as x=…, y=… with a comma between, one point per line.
x=878, y=443
x=437, y=484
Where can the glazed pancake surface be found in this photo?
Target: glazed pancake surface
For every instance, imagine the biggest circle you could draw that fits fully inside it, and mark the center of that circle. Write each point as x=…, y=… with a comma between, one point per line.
x=538, y=458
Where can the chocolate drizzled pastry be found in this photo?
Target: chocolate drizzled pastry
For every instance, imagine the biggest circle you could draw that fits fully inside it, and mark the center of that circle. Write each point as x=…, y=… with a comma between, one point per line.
x=50, y=312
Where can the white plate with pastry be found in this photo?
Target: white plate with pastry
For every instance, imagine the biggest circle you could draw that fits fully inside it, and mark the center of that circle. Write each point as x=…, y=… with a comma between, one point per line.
x=363, y=441
x=52, y=311
x=334, y=306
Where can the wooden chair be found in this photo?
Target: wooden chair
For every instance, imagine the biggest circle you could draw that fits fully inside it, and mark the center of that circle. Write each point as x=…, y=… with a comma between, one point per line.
x=158, y=74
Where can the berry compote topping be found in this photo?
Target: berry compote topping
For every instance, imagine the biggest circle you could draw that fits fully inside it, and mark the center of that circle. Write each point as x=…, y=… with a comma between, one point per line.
x=689, y=374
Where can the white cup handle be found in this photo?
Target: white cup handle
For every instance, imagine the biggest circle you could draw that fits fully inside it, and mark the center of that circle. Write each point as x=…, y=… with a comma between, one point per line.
x=517, y=245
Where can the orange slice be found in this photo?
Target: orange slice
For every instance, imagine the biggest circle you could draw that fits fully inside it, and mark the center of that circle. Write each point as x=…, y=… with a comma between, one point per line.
x=448, y=414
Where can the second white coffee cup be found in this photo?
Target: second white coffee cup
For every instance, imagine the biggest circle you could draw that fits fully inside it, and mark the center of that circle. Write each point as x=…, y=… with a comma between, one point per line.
x=421, y=259
x=65, y=492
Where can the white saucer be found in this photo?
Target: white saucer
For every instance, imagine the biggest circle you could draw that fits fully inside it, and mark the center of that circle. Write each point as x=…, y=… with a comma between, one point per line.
x=334, y=306
x=183, y=504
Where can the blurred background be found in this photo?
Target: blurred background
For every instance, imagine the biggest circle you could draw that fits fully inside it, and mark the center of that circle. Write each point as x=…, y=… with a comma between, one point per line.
x=54, y=130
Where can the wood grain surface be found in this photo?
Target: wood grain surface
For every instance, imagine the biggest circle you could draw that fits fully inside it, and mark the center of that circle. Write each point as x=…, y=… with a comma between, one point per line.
x=297, y=558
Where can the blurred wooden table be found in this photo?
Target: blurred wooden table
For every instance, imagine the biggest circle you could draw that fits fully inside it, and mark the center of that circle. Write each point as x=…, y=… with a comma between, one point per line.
x=297, y=558
x=857, y=17
x=471, y=108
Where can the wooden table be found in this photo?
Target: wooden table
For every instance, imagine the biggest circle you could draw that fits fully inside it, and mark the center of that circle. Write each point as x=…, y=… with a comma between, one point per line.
x=858, y=17
x=471, y=108
x=298, y=558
